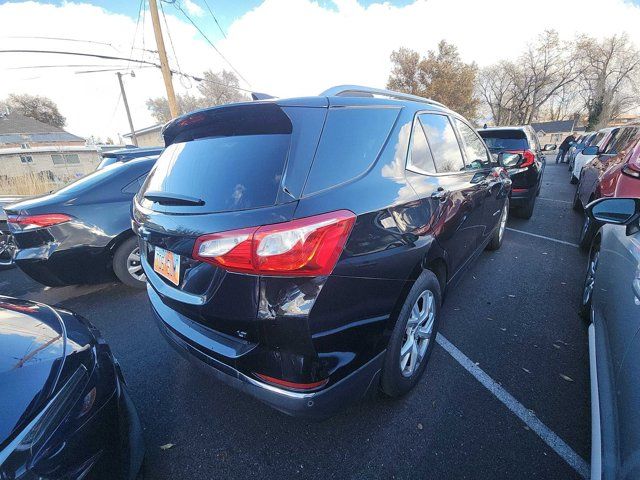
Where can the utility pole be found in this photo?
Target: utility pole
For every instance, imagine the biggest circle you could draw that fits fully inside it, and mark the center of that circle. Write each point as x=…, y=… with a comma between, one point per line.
x=126, y=107
x=164, y=63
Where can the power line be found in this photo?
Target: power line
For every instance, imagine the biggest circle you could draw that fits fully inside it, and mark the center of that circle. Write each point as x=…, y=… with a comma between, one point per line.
x=134, y=60
x=173, y=48
x=79, y=40
x=208, y=41
x=135, y=32
x=214, y=18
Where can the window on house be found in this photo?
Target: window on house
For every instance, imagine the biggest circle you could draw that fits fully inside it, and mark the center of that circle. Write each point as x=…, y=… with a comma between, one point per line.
x=67, y=158
x=24, y=145
x=26, y=158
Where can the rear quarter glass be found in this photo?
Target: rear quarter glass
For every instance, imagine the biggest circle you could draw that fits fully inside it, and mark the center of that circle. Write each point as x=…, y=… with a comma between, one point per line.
x=505, y=139
x=351, y=141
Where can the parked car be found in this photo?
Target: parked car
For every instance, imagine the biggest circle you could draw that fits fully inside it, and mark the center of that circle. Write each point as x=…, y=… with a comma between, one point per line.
x=126, y=154
x=526, y=177
x=300, y=248
x=82, y=232
x=613, y=172
x=65, y=408
x=611, y=302
x=601, y=140
x=581, y=142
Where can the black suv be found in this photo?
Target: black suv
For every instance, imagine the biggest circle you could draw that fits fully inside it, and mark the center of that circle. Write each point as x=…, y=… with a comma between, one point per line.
x=527, y=176
x=300, y=248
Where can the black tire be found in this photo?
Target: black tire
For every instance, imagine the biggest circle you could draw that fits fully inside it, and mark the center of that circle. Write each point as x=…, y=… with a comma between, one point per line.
x=577, y=205
x=121, y=263
x=589, y=281
x=526, y=211
x=393, y=381
x=589, y=229
x=573, y=180
x=496, y=240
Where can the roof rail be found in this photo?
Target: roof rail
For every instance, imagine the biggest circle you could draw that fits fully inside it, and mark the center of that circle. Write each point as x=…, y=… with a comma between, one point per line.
x=359, y=91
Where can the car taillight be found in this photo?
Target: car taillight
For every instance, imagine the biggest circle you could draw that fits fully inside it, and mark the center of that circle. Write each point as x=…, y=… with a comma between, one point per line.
x=304, y=247
x=528, y=157
x=28, y=222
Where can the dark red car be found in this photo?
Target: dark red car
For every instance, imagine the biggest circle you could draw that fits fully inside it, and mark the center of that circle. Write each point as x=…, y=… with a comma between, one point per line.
x=613, y=173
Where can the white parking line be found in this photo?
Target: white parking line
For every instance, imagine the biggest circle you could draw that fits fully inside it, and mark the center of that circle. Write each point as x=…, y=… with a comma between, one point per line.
x=543, y=236
x=527, y=416
x=554, y=200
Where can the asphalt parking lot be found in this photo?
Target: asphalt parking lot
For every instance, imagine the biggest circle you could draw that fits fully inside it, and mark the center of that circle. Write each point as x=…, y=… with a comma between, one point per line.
x=505, y=395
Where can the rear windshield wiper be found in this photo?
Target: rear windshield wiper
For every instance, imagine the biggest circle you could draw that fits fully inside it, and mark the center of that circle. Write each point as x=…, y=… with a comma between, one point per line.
x=165, y=198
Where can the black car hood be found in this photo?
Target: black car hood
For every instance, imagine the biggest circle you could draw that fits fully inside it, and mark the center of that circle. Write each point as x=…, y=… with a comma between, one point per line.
x=32, y=352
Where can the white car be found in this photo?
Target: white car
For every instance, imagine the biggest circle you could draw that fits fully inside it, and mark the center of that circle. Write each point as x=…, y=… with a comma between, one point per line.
x=601, y=140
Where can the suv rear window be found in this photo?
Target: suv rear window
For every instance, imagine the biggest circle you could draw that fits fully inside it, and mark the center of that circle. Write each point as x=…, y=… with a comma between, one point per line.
x=500, y=140
x=234, y=164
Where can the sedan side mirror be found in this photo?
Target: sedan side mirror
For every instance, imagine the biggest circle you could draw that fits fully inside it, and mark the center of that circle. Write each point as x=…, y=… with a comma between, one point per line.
x=616, y=211
x=591, y=150
x=549, y=147
x=509, y=160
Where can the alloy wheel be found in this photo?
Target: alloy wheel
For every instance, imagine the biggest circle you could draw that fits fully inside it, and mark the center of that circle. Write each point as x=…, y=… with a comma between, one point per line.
x=134, y=266
x=7, y=248
x=503, y=221
x=590, y=278
x=418, y=333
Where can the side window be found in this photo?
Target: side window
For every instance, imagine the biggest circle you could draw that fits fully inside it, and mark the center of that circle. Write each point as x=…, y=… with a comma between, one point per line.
x=477, y=156
x=420, y=158
x=443, y=142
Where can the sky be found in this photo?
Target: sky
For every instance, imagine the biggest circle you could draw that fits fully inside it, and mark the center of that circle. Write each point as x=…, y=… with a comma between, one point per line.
x=281, y=47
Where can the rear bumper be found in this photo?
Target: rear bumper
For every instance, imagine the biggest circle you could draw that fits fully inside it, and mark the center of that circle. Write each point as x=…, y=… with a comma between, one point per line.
x=520, y=196
x=50, y=266
x=316, y=405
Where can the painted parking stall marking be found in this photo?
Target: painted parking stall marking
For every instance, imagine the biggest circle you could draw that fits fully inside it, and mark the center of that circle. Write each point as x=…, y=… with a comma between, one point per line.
x=544, y=237
x=527, y=416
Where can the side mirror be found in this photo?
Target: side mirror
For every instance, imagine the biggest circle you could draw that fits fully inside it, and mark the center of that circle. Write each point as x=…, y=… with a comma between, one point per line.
x=549, y=147
x=591, y=150
x=616, y=211
x=509, y=160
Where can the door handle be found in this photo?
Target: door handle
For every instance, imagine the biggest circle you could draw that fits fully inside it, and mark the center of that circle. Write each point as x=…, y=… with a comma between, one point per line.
x=440, y=194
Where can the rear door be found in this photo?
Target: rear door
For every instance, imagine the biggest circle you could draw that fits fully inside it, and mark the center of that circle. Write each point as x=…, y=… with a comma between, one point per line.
x=441, y=171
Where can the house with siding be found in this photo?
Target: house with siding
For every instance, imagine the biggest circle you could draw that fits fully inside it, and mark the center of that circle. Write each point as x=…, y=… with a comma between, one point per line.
x=28, y=146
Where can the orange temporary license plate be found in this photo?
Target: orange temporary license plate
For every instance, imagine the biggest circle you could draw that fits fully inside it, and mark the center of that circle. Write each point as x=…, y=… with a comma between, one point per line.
x=167, y=264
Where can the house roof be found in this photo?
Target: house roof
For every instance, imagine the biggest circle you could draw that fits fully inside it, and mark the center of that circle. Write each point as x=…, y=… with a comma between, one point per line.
x=557, y=126
x=16, y=128
x=152, y=128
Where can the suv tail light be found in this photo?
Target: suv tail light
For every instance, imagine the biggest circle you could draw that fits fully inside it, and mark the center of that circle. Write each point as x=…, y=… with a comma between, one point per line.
x=28, y=222
x=528, y=157
x=304, y=247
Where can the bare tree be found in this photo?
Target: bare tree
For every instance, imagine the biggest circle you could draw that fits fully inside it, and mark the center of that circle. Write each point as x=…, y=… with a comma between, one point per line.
x=495, y=89
x=214, y=89
x=610, y=77
x=540, y=73
x=40, y=108
x=441, y=75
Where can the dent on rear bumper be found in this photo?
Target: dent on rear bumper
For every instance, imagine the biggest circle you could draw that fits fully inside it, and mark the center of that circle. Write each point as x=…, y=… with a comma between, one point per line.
x=319, y=404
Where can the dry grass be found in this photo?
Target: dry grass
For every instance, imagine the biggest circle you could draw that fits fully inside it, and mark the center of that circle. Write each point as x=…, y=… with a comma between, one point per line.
x=29, y=184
